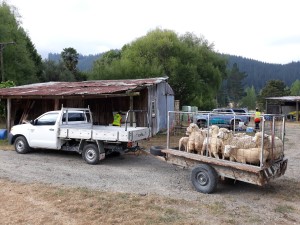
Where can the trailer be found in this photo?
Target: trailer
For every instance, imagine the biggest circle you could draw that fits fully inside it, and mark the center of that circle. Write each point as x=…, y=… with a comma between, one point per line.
x=206, y=171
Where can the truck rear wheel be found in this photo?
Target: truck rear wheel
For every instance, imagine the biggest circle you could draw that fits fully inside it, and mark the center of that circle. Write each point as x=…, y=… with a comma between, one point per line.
x=204, y=178
x=21, y=145
x=91, y=154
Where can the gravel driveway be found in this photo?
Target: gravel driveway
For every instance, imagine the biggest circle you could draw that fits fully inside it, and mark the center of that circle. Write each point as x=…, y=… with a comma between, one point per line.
x=126, y=173
x=276, y=203
x=143, y=174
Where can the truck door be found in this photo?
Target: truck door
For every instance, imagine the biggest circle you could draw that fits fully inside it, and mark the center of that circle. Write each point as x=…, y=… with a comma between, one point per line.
x=43, y=133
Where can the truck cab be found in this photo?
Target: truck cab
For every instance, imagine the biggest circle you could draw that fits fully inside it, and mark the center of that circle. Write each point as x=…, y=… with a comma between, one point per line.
x=42, y=131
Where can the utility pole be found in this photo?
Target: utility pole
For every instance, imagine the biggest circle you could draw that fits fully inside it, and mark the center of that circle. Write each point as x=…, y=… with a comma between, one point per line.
x=2, y=45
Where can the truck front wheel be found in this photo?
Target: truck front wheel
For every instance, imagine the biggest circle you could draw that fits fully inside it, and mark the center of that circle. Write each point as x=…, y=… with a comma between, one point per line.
x=91, y=154
x=21, y=145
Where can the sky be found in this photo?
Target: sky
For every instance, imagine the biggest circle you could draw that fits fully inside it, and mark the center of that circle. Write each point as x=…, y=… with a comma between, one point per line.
x=263, y=30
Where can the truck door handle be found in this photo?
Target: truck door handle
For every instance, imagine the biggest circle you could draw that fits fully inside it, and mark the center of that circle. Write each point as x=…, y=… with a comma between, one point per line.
x=51, y=129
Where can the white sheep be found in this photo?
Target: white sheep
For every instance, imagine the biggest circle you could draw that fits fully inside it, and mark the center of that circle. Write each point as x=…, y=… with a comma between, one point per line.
x=240, y=141
x=275, y=149
x=196, y=138
x=212, y=143
x=183, y=143
x=245, y=155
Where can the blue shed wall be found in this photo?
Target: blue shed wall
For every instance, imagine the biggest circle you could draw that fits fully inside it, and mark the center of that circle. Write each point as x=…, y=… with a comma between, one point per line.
x=163, y=96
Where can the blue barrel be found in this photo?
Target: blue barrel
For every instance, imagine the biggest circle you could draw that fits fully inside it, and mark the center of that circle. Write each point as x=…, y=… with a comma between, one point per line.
x=3, y=134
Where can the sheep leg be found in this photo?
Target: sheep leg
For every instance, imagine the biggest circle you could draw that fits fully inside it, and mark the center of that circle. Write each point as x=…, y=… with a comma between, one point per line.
x=216, y=155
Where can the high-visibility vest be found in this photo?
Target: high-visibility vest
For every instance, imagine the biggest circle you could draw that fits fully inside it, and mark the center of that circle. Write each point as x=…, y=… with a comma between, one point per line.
x=117, y=119
x=257, y=117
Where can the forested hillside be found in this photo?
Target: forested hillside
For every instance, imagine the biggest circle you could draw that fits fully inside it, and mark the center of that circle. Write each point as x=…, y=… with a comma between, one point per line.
x=259, y=72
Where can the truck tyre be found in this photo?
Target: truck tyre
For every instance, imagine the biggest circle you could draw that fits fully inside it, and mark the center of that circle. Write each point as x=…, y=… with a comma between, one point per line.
x=91, y=154
x=21, y=145
x=156, y=150
x=204, y=178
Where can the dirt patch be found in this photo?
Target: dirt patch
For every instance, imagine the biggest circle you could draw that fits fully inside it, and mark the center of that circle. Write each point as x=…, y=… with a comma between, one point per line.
x=59, y=188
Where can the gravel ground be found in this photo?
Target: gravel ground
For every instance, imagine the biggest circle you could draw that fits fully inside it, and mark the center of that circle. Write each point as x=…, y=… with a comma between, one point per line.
x=126, y=173
x=130, y=173
x=145, y=174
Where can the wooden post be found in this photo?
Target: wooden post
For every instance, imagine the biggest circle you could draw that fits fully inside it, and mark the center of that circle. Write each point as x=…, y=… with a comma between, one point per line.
x=297, y=111
x=131, y=108
x=56, y=102
x=8, y=116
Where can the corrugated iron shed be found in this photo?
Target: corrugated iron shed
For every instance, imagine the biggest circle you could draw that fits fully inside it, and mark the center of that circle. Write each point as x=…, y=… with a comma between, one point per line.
x=85, y=88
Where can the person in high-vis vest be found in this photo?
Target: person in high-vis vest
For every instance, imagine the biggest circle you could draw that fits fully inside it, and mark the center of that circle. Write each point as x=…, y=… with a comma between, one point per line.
x=117, y=119
x=257, y=119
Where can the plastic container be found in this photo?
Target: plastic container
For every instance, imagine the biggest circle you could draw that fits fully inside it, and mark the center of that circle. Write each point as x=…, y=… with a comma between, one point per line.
x=186, y=108
x=250, y=129
x=3, y=134
x=194, y=109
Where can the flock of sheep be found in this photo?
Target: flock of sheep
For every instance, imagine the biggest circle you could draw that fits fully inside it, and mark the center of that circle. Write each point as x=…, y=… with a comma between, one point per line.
x=223, y=143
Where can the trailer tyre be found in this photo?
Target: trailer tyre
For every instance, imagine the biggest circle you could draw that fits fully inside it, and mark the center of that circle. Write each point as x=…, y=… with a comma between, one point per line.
x=21, y=145
x=156, y=150
x=204, y=178
x=91, y=154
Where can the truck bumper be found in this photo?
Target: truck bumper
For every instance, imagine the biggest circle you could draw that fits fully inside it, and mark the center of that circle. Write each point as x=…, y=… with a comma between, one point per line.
x=10, y=137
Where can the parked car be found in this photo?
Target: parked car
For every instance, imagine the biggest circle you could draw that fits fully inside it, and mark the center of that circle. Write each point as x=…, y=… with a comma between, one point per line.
x=223, y=117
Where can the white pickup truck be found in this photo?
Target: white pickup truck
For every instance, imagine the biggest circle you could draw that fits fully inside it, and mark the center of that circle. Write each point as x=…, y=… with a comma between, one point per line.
x=72, y=129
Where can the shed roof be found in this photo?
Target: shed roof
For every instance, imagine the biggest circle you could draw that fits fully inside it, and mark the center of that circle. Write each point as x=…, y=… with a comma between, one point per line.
x=285, y=98
x=84, y=88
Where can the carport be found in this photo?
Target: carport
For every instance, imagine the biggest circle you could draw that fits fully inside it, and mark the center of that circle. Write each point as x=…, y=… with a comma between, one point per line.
x=104, y=97
x=283, y=105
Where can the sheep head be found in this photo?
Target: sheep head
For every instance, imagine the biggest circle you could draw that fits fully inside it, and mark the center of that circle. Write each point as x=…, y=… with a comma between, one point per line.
x=191, y=128
x=257, y=137
x=228, y=149
x=224, y=134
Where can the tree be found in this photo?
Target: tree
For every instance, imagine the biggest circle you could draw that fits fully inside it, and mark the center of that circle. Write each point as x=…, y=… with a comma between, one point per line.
x=53, y=71
x=70, y=60
x=274, y=88
x=235, y=85
x=21, y=62
x=195, y=71
x=295, y=88
x=249, y=101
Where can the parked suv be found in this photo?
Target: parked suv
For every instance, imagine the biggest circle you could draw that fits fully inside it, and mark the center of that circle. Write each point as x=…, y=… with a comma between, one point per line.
x=224, y=117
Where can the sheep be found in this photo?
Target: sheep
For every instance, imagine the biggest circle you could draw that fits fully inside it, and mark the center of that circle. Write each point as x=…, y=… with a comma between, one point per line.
x=196, y=138
x=275, y=152
x=216, y=147
x=242, y=141
x=213, y=144
x=183, y=143
x=245, y=155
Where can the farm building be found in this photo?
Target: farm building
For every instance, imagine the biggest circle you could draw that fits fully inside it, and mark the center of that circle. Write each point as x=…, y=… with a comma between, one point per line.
x=283, y=105
x=152, y=96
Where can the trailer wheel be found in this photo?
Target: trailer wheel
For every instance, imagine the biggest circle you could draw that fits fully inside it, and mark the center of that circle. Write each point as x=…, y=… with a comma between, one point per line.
x=21, y=145
x=204, y=178
x=91, y=154
x=156, y=150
